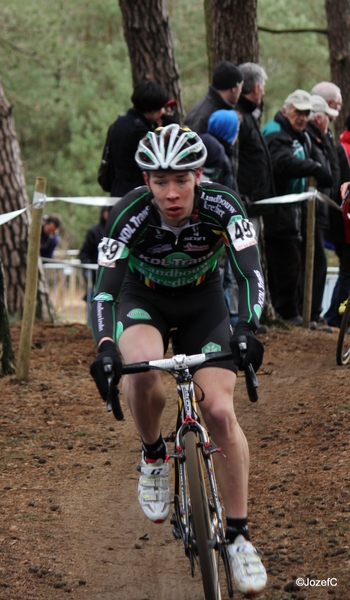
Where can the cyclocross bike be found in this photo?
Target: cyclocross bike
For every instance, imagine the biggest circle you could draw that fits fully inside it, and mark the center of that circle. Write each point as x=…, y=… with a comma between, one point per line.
x=197, y=513
x=343, y=344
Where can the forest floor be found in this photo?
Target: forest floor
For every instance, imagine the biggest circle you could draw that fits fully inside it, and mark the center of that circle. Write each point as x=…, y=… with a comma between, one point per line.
x=70, y=522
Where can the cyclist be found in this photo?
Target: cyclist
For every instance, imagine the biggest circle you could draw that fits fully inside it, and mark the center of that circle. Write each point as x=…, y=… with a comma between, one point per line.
x=159, y=260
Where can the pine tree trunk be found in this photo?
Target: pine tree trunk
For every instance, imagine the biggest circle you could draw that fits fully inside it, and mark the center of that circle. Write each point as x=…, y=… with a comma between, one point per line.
x=14, y=234
x=148, y=36
x=338, y=18
x=233, y=31
x=7, y=357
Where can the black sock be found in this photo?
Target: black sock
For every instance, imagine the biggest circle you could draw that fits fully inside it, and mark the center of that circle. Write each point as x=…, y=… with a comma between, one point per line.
x=235, y=527
x=156, y=450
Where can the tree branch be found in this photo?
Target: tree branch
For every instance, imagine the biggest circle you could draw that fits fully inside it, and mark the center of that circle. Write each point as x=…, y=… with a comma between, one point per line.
x=268, y=30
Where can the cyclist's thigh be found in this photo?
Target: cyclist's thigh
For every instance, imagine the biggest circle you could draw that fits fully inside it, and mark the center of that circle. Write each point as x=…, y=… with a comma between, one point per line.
x=139, y=313
x=208, y=328
x=141, y=343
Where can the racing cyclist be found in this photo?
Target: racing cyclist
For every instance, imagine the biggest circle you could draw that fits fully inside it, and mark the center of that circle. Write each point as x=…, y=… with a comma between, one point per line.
x=159, y=262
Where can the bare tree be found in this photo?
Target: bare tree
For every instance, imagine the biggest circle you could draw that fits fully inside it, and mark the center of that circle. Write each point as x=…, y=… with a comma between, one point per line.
x=232, y=31
x=14, y=234
x=338, y=18
x=149, y=40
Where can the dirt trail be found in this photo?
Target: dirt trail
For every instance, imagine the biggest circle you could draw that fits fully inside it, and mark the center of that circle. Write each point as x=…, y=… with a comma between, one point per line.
x=70, y=521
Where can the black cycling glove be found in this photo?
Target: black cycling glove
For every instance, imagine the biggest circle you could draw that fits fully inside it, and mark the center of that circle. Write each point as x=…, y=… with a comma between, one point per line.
x=107, y=349
x=255, y=349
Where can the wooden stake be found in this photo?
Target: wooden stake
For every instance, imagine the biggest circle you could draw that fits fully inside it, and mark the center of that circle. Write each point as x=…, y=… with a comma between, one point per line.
x=309, y=256
x=31, y=289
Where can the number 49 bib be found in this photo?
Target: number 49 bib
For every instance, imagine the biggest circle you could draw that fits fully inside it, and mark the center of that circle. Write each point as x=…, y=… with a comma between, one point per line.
x=242, y=233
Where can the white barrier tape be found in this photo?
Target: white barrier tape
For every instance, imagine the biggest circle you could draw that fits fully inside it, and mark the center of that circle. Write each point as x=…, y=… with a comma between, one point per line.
x=11, y=215
x=63, y=263
x=39, y=200
x=290, y=198
x=89, y=200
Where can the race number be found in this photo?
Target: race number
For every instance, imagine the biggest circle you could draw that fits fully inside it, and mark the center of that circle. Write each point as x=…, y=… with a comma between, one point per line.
x=109, y=251
x=242, y=233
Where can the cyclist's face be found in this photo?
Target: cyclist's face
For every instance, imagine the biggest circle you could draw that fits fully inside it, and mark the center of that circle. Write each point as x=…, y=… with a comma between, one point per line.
x=173, y=193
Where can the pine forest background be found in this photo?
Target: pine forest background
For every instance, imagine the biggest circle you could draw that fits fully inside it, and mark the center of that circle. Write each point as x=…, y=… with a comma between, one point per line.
x=66, y=72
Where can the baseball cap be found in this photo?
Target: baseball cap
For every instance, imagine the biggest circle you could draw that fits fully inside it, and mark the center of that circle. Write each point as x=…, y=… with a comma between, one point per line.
x=319, y=104
x=300, y=99
x=226, y=76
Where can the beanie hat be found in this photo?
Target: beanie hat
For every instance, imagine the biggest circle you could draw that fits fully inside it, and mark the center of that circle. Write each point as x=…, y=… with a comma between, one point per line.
x=226, y=76
x=224, y=123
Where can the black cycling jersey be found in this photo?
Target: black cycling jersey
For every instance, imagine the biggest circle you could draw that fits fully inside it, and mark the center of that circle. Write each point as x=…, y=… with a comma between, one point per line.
x=168, y=260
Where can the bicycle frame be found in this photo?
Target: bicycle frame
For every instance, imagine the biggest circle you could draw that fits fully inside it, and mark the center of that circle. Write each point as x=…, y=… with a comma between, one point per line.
x=188, y=421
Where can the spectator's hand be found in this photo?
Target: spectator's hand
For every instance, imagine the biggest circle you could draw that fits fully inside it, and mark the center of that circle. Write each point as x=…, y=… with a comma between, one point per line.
x=255, y=349
x=345, y=190
x=106, y=350
x=323, y=177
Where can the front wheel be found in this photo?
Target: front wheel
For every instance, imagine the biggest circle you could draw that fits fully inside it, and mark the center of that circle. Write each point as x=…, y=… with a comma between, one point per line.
x=343, y=345
x=201, y=520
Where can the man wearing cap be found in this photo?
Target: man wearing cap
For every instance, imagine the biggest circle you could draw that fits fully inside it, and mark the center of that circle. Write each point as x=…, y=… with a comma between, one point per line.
x=316, y=130
x=287, y=143
x=224, y=91
x=336, y=235
x=148, y=99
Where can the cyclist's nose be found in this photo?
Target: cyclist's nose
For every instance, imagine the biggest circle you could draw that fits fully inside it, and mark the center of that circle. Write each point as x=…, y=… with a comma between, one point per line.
x=172, y=191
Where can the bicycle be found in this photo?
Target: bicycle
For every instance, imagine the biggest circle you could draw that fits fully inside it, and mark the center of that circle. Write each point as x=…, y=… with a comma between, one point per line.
x=343, y=344
x=197, y=518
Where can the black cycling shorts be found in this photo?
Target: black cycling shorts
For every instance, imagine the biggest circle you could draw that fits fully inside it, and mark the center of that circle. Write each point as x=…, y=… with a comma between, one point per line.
x=196, y=321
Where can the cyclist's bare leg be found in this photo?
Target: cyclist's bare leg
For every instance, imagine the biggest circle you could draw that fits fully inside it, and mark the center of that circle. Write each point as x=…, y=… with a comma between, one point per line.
x=219, y=416
x=144, y=392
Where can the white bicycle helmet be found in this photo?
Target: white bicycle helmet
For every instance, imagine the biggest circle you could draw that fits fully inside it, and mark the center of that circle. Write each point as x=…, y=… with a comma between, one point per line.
x=171, y=147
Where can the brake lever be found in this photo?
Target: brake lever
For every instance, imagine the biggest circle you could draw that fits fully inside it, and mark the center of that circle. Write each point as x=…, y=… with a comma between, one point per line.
x=108, y=369
x=251, y=379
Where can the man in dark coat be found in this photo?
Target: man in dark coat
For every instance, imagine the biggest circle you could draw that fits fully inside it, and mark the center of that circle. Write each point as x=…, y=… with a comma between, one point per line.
x=340, y=165
x=223, y=92
x=149, y=99
x=254, y=175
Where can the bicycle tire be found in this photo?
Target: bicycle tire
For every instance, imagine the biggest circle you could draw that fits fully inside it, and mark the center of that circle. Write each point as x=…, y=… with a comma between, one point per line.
x=343, y=344
x=201, y=520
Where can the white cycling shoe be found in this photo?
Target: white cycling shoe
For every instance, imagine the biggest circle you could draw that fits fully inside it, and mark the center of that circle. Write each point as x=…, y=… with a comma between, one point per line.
x=153, y=489
x=249, y=573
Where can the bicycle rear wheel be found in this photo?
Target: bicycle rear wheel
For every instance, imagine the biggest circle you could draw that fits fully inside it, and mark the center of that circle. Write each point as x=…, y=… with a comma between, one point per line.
x=343, y=345
x=201, y=517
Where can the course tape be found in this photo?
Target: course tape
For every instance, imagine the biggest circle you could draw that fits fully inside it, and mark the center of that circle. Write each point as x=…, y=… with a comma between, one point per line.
x=39, y=201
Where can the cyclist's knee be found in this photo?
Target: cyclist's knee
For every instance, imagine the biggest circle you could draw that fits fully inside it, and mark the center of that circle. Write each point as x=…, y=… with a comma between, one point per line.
x=221, y=418
x=141, y=384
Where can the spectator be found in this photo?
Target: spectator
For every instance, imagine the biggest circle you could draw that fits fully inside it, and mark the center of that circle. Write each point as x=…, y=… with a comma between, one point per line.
x=254, y=175
x=223, y=92
x=345, y=138
x=316, y=129
x=49, y=235
x=286, y=141
x=341, y=174
x=169, y=114
x=223, y=126
x=149, y=99
x=89, y=250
